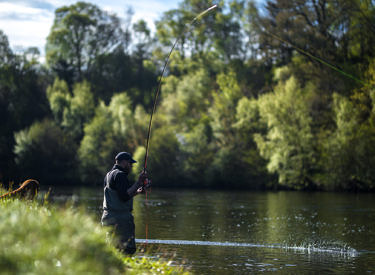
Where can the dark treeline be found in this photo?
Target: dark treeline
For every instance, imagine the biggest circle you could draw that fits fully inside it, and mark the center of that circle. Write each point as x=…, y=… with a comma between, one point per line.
x=249, y=101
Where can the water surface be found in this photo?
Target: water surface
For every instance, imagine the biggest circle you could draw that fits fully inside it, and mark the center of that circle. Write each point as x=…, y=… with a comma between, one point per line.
x=218, y=232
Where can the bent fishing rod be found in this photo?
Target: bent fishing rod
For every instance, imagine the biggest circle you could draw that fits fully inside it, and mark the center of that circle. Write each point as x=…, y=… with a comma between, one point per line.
x=191, y=24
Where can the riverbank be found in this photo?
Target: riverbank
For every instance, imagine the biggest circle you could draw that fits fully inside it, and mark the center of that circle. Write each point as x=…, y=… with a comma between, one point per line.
x=38, y=238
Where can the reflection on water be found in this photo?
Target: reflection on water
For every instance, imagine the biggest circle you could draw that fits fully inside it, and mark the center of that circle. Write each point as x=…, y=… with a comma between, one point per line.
x=214, y=232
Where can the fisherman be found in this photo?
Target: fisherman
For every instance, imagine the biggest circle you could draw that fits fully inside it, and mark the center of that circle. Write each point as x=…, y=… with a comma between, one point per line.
x=118, y=201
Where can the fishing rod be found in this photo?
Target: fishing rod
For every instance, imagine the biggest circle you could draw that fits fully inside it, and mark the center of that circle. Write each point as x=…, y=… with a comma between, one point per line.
x=161, y=78
x=157, y=96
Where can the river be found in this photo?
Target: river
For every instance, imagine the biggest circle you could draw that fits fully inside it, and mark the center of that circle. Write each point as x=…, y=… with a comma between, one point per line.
x=242, y=232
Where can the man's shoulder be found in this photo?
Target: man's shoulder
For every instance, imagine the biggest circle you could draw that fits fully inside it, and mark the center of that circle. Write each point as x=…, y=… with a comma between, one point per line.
x=117, y=173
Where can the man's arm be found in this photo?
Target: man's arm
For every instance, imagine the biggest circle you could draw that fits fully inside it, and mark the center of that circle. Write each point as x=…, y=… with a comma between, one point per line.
x=124, y=188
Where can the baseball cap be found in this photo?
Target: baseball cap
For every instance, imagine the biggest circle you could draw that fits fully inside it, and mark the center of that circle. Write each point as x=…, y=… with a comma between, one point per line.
x=124, y=156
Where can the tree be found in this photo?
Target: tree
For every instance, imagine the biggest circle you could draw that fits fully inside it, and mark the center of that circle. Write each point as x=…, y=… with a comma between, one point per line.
x=164, y=162
x=71, y=112
x=115, y=127
x=59, y=98
x=43, y=151
x=111, y=73
x=227, y=34
x=172, y=25
x=186, y=99
x=289, y=145
x=128, y=67
x=223, y=109
x=22, y=100
x=305, y=24
x=80, y=33
x=96, y=147
x=197, y=152
x=314, y=30
x=248, y=124
x=5, y=51
x=237, y=162
x=218, y=31
x=348, y=151
x=144, y=72
x=358, y=43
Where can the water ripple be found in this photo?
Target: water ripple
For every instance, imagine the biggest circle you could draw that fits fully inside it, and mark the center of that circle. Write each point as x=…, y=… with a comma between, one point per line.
x=340, y=251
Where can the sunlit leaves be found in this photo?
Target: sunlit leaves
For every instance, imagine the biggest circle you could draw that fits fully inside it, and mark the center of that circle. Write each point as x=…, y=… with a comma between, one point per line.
x=71, y=111
x=114, y=127
x=289, y=143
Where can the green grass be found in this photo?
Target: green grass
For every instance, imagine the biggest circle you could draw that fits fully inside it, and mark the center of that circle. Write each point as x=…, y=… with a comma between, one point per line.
x=43, y=239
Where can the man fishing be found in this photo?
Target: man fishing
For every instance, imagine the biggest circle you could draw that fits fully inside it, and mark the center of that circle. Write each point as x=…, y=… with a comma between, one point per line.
x=118, y=192
x=118, y=201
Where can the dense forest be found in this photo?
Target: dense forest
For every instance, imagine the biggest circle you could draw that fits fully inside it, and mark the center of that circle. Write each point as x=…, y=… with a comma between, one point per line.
x=273, y=96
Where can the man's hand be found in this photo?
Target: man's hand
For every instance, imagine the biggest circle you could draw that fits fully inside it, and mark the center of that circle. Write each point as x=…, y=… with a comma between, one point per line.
x=143, y=183
x=140, y=185
x=145, y=187
x=142, y=179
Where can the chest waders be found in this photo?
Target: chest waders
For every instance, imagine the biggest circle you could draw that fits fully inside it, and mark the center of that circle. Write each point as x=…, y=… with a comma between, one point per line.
x=117, y=214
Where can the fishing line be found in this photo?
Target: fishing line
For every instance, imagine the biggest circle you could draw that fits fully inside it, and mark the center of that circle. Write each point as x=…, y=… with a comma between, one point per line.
x=199, y=16
x=316, y=58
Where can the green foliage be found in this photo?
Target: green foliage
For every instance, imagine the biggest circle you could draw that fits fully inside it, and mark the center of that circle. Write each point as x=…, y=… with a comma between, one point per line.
x=96, y=147
x=81, y=109
x=248, y=124
x=5, y=51
x=86, y=42
x=80, y=33
x=198, y=153
x=289, y=144
x=164, y=162
x=22, y=100
x=318, y=32
x=349, y=149
x=248, y=120
x=186, y=99
x=220, y=32
x=37, y=239
x=223, y=110
x=59, y=99
x=114, y=128
x=43, y=151
x=72, y=112
x=247, y=98
x=236, y=163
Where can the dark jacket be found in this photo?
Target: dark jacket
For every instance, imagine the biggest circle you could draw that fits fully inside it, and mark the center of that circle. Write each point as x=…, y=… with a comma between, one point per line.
x=118, y=180
x=117, y=203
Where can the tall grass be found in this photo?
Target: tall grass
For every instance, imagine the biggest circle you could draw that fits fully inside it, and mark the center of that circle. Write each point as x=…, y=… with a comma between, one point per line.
x=43, y=239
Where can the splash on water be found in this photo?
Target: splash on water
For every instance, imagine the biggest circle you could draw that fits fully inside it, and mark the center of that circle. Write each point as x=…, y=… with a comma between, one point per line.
x=307, y=248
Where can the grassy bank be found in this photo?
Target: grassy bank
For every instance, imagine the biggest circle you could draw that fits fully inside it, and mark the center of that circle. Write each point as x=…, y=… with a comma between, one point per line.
x=42, y=239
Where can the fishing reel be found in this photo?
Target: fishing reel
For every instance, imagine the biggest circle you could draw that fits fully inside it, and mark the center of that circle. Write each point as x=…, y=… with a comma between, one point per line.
x=146, y=182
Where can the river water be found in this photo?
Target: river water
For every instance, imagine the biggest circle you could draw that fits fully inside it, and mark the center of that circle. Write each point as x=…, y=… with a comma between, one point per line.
x=221, y=232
